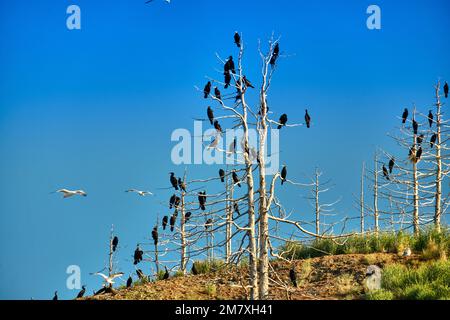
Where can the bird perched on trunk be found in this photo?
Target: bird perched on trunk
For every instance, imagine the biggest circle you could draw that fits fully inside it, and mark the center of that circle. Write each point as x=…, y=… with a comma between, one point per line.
x=446, y=89
x=385, y=173
x=229, y=66
x=222, y=175
x=391, y=165
x=415, y=126
x=173, y=180
x=173, y=219
x=405, y=115
x=202, y=200
x=208, y=223
x=187, y=217
x=207, y=89
x=166, y=274
x=81, y=293
x=430, y=118
x=236, y=179
x=237, y=39
x=138, y=253
x=275, y=54
x=412, y=154
x=419, y=154
x=283, y=174
x=307, y=119
x=293, y=276
x=283, y=121
x=181, y=184
x=227, y=79
x=172, y=201
x=420, y=139
x=115, y=242
x=155, y=235
x=247, y=83
x=165, y=221
x=433, y=140
x=210, y=113
x=217, y=126
x=217, y=93
x=55, y=297
x=129, y=282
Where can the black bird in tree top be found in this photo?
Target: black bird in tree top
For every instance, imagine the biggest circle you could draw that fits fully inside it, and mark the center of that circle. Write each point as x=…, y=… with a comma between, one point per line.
x=433, y=140
x=172, y=201
x=210, y=115
x=405, y=115
x=207, y=89
x=283, y=174
x=385, y=173
x=173, y=180
x=187, y=216
x=430, y=118
x=283, y=121
x=165, y=221
x=217, y=93
x=208, y=223
x=420, y=139
x=138, y=253
x=181, y=184
x=217, y=126
x=307, y=119
x=115, y=242
x=236, y=179
x=202, y=200
x=236, y=208
x=222, y=175
x=391, y=165
x=275, y=54
x=229, y=66
x=415, y=126
x=155, y=235
x=446, y=89
x=247, y=82
x=173, y=219
x=237, y=39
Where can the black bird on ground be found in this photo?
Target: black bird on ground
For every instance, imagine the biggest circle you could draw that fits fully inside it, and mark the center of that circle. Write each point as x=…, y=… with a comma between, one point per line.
x=207, y=89
x=140, y=274
x=236, y=179
x=446, y=89
x=405, y=115
x=247, y=83
x=386, y=173
x=55, y=297
x=81, y=293
x=202, y=200
x=415, y=126
x=138, y=253
x=115, y=242
x=430, y=118
x=187, y=217
x=283, y=175
x=165, y=221
x=173, y=219
x=155, y=235
x=173, y=180
x=208, y=223
x=293, y=277
x=420, y=139
x=100, y=291
x=181, y=184
x=283, y=121
x=307, y=119
x=166, y=274
x=391, y=165
x=275, y=54
x=210, y=113
x=217, y=126
x=222, y=175
x=236, y=208
x=129, y=282
x=433, y=140
x=237, y=39
x=217, y=93
x=229, y=66
x=194, y=269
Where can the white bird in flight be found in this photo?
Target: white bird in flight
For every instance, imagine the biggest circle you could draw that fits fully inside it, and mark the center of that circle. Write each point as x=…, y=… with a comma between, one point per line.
x=71, y=193
x=168, y=1
x=141, y=193
x=111, y=278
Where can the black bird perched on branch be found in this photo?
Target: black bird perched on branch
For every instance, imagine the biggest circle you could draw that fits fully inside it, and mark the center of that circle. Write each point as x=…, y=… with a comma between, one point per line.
x=165, y=221
x=283, y=121
x=217, y=93
x=391, y=165
x=283, y=175
x=115, y=242
x=172, y=201
x=81, y=293
x=55, y=297
x=173, y=219
x=181, y=184
x=207, y=89
x=177, y=203
x=446, y=89
x=227, y=79
x=229, y=66
x=419, y=154
x=202, y=200
x=166, y=274
x=236, y=208
x=155, y=235
x=405, y=115
x=247, y=83
x=307, y=119
x=210, y=115
x=293, y=276
x=412, y=153
x=138, y=253
x=275, y=54
x=430, y=118
x=433, y=140
x=208, y=223
x=140, y=274
x=129, y=282
x=236, y=179
x=237, y=39
x=385, y=173
x=217, y=126
x=415, y=126
x=187, y=216
x=420, y=139
x=173, y=180
x=222, y=175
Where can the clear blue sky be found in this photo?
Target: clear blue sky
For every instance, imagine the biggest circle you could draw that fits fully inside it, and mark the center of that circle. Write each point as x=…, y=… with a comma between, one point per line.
x=95, y=108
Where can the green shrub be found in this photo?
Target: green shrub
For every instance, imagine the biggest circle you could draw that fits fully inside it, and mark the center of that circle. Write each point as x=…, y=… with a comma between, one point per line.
x=380, y=295
x=205, y=267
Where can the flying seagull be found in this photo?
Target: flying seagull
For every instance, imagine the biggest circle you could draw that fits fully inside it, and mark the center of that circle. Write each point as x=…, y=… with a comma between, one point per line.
x=71, y=193
x=111, y=278
x=141, y=193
